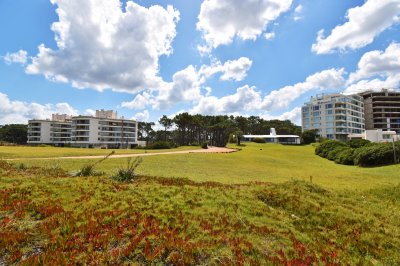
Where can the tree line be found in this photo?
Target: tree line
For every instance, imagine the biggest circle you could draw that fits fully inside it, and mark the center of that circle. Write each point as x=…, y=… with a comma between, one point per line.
x=186, y=129
x=14, y=133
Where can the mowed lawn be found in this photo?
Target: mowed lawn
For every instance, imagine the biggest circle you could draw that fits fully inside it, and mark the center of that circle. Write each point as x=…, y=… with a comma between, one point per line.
x=11, y=152
x=254, y=162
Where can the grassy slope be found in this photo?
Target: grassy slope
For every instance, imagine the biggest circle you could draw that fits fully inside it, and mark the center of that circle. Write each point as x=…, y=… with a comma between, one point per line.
x=256, y=162
x=354, y=218
x=9, y=152
x=60, y=220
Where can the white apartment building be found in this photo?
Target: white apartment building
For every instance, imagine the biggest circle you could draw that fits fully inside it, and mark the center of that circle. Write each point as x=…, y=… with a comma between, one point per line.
x=334, y=115
x=104, y=130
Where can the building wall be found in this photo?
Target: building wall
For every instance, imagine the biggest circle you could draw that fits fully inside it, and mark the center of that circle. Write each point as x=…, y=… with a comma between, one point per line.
x=39, y=131
x=383, y=110
x=85, y=131
x=334, y=116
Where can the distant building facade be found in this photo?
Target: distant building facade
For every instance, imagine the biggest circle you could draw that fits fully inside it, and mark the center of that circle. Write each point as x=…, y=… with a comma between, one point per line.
x=382, y=110
x=104, y=129
x=274, y=138
x=376, y=135
x=334, y=115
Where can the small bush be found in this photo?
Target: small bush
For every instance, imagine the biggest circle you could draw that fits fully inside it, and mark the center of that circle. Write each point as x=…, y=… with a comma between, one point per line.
x=259, y=140
x=332, y=155
x=22, y=167
x=358, y=143
x=378, y=154
x=160, y=145
x=327, y=148
x=88, y=170
x=127, y=174
x=204, y=145
x=345, y=156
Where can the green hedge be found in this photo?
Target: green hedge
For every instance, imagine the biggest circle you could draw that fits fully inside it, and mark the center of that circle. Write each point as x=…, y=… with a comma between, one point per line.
x=358, y=152
x=374, y=155
x=329, y=146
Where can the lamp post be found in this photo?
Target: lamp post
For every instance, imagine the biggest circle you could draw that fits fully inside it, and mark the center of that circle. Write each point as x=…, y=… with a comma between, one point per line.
x=394, y=151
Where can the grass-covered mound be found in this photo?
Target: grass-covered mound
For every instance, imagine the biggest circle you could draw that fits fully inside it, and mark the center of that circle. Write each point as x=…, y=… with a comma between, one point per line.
x=46, y=219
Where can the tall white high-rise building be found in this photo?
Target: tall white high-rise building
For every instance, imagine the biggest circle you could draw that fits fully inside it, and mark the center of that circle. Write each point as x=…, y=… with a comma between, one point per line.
x=334, y=115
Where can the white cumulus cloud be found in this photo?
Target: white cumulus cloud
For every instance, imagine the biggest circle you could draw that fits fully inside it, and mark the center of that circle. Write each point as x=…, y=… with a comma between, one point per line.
x=246, y=98
x=20, y=57
x=13, y=112
x=249, y=99
x=363, y=24
x=326, y=79
x=376, y=70
x=101, y=46
x=220, y=21
x=293, y=115
x=188, y=84
x=142, y=116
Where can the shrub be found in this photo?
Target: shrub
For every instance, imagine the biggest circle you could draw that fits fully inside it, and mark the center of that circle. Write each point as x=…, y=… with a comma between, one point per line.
x=88, y=170
x=328, y=146
x=127, y=174
x=358, y=143
x=378, y=154
x=259, y=140
x=204, y=145
x=345, y=156
x=332, y=154
x=160, y=145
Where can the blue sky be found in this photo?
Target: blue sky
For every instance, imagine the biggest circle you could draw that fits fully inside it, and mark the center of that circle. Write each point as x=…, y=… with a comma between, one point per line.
x=149, y=58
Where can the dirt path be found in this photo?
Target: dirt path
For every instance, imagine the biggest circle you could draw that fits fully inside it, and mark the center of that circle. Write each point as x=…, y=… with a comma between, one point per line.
x=209, y=150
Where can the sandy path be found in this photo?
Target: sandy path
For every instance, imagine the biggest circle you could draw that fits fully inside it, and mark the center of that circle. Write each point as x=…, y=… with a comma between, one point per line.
x=209, y=150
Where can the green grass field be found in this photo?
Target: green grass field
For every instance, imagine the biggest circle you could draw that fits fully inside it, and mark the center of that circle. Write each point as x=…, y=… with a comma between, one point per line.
x=10, y=152
x=255, y=162
x=257, y=206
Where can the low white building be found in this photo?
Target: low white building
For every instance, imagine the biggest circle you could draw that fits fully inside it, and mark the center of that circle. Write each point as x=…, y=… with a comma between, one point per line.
x=376, y=135
x=104, y=130
x=274, y=138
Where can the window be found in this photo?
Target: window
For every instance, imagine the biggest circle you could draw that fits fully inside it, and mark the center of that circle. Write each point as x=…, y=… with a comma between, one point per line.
x=317, y=113
x=328, y=106
x=315, y=108
x=386, y=136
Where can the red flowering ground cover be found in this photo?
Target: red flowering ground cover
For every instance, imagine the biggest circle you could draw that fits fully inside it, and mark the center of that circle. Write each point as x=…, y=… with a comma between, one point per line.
x=49, y=217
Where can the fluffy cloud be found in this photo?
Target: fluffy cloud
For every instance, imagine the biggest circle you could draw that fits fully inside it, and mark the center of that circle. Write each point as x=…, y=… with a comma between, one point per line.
x=249, y=99
x=378, y=63
x=293, y=115
x=376, y=70
x=297, y=13
x=391, y=82
x=20, y=57
x=142, y=116
x=269, y=35
x=101, y=46
x=364, y=24
x=12, y=112
x=187, y=84
x=235, y=70
x=222, y=20
x=327, y=79
x=245, y=99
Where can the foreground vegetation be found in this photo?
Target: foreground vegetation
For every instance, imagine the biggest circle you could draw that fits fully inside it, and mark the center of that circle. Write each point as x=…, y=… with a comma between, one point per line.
x=266, y=210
